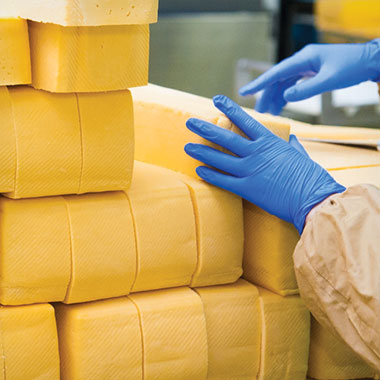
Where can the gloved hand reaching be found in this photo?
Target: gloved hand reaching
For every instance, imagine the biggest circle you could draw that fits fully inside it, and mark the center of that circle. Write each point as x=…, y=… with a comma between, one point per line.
x=330, y=67
x=264, y=169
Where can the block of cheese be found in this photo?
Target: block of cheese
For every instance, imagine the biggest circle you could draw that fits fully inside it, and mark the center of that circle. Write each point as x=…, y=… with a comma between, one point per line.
x=351, y=177
x=233, y=323
x=14, y=52
x=330, y=358
x=88, y=59
x=269, y=245
x=88, y=12
x=54, y=144
x=100, y=340
x=28, y=343
x=220, y=233
x=103, y=246
x=174, y=334
x=285, y=337
x=161, y=133
x=165, y=229
x=35, y=250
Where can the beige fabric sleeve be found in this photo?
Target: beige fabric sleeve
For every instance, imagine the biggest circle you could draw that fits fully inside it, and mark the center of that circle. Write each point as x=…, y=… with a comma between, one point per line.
x=337, y=264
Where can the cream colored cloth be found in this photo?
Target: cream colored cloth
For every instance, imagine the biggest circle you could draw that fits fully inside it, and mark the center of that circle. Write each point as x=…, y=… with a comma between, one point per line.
x=337, y=263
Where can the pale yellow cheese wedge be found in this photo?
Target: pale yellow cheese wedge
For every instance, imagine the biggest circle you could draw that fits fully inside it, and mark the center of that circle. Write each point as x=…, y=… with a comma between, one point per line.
x=220, y=233
x=103, y=246
x=88, y=59
x=330, y=358
x=15, y=65
x=88, y=12
x=53, y=144
x=160, y=125
x=285, y=337
x=269, y=245
x=100, y=340
x=28, y=343
x=107, y=140
x=233, y=329
x=35, y=251
x=165, y=229
x=174, y=334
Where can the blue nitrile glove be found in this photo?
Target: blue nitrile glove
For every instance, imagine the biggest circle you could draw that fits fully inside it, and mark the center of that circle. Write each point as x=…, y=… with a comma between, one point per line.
x=265, y=170
x=330, y=67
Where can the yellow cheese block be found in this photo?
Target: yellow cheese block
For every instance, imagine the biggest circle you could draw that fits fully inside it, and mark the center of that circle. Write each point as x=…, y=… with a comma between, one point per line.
x=54, y=144
x=161, y=133
x=165, y=229
x=100, y=340
x=88, y=59
x=88, y=12
x=351, y=177
x=103, y=246
x=220, y=233
x=15, y=65
x=35, y=251
x=285, y=337
x=174, y=334
x=234, y=331
x=28, y=343
x=330, y=358
x=269, y=245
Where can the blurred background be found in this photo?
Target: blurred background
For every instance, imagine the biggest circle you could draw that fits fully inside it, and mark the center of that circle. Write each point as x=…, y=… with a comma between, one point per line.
x=209, y=47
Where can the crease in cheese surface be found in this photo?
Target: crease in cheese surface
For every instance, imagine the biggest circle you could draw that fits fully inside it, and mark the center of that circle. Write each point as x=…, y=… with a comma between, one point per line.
x=88, y=59
x=15, y=66
x=28, y=343
x=87, y=12
x=53, y=144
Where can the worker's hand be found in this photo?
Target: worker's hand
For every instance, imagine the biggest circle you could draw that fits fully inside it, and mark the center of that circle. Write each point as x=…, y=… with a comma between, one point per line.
x=329, y=67
x=263, y=169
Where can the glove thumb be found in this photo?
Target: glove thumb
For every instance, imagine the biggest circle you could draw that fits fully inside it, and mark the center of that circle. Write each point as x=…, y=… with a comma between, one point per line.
x=293, y=141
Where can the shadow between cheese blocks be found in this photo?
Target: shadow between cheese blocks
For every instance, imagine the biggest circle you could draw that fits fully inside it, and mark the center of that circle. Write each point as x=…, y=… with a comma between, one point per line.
x=186, y=334
x=28, y=343
x=53, y=144
x=81, y=248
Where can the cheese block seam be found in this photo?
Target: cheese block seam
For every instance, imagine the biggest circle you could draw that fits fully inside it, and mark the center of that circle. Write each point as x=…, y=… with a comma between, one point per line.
x=354, y=167
x=81, y=144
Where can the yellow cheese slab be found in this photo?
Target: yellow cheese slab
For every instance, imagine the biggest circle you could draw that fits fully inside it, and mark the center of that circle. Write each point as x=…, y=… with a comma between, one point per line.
x=165, y=229
x=233, y=330
x=103, y=246
x=100, y=340
x=269, y=245
x=174, y=334
x=88, y=59
x=285, y=337
x=107, y=141
x=330, y=358
x=88, y=12
x=220, y=233
x=53, y=144
x=28, y=343
x=15, y=65
x=161, y=133
x=35, y=251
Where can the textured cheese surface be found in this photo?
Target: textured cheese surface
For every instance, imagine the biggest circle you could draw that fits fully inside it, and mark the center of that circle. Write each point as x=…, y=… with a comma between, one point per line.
x=269, y=246
x=233, y=330
x=28, y=343
x=54, y=144
x=88, y=12
x=160, y=125
x=331, y=358
x=88, y=59
x=100, y=340
x=174, y=334
x=14, y=52
x=220, y=233
x=285, y=337
x=165, y=229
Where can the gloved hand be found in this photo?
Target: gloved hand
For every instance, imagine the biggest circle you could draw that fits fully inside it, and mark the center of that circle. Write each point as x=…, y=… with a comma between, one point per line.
x=265, y=170
x=331, y=67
